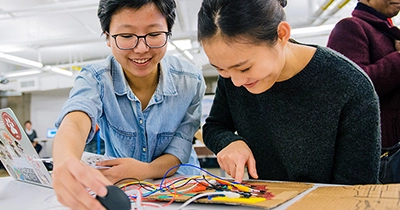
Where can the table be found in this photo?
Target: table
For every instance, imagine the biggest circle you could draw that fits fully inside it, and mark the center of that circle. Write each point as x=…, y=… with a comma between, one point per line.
x=20, y=196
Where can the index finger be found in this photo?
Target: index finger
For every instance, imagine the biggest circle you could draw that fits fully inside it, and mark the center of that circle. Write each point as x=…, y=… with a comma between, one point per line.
x=239, y=172
x=111, y=162
x=90, y=178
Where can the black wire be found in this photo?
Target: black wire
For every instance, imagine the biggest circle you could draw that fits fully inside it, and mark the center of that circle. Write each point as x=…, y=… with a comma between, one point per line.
x=124, y=179
x=144, y=186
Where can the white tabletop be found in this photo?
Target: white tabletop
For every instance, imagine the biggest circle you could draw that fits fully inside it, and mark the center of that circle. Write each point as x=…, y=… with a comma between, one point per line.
x=20, y=196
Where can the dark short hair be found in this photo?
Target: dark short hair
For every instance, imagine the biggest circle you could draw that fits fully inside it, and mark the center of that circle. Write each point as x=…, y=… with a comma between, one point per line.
x=107, y=8
x=254, y=20
x=28, y=121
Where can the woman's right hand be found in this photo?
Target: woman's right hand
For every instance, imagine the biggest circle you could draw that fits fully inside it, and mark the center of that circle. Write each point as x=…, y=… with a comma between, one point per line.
x=233, y=159
x=71, y=181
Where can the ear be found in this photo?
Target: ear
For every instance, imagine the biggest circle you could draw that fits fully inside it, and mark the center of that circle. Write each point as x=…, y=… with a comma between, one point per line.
x=108, y=40
x=283, y=31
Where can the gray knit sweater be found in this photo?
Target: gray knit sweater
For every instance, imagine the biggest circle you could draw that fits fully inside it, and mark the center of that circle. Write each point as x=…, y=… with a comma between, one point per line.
x=322, y=125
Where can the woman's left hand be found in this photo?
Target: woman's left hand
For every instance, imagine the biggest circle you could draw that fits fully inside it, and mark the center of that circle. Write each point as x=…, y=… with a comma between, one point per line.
x=124, y=168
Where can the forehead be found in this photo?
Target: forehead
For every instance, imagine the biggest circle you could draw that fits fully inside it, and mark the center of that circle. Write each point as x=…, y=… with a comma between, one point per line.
x=143, y=17
x=223, y=54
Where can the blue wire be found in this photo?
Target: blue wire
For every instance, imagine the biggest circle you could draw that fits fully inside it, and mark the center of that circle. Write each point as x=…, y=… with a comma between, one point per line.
x=188, y=165
x=176, y=166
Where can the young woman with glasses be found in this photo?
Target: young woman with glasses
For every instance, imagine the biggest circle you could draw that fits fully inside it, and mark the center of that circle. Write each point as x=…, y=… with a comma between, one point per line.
x=146, y=104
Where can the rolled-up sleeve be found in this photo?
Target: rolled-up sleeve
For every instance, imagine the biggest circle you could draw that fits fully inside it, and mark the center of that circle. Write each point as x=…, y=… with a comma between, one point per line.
x=181, y=144
x=85, y=97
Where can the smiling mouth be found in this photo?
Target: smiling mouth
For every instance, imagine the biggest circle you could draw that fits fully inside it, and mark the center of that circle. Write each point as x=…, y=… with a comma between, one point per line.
x=249, y=85
x=140, y=61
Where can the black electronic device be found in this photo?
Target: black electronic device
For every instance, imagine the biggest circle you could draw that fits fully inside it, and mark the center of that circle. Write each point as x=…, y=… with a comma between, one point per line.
x=115, y=199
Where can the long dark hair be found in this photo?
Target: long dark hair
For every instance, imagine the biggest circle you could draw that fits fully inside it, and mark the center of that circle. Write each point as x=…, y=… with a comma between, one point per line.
x=107, y=9
x=254, y=20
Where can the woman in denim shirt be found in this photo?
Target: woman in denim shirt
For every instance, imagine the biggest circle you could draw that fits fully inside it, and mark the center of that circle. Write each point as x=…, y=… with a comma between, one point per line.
x=147, y=105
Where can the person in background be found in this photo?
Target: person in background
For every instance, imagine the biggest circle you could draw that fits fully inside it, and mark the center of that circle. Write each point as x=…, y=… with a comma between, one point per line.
x=285, y=110
x=147, y=106
x=31, y=133
x=370, y=40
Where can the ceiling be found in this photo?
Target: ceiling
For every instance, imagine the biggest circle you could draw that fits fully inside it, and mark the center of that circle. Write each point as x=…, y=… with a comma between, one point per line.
x=66, y=34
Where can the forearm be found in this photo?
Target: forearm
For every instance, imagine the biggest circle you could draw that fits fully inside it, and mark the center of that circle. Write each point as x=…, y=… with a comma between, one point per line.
x=159, y=166
x=70, y=139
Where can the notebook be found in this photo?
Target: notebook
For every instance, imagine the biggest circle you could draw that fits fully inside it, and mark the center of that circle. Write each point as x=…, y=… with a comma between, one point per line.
x=20, y=158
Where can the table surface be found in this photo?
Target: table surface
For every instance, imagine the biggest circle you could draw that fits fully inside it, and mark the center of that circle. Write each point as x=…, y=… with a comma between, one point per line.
x=20, y=195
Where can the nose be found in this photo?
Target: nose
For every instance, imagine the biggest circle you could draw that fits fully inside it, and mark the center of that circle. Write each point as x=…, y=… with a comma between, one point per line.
x=141, y=46
x=237, y=79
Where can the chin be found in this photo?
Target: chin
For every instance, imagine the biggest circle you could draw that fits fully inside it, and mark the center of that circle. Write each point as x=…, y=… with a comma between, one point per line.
x=255, y=91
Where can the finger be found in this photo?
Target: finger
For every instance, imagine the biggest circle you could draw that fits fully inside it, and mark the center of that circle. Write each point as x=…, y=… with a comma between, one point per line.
x=108, y=173
x=224, y=164
x=90, y=178
x=221, y=163
x=239, y=170
x=251, y=167
x=108, y=162
x=63, y=195
x=71, y=193
x=232, y=169
x=239, y=173
x=81, y=199
x=67, y=200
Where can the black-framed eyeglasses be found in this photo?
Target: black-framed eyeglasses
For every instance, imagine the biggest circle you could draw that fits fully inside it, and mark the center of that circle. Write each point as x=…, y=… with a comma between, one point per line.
x=127, y=41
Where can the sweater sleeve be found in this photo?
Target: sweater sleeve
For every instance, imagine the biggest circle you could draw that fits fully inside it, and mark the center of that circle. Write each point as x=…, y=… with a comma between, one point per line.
x=353, y=41
x=358, y=139
x=219, y=131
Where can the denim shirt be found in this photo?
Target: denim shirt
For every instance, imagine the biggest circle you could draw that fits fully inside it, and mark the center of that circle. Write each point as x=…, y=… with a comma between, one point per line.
x=166, y=125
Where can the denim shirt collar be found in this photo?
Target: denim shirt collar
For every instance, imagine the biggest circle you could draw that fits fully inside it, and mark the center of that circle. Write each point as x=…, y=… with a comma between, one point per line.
x=165, y=87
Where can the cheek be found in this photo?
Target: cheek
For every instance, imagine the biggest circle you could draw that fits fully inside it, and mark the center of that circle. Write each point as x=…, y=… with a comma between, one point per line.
x=224, y=74
x=274, y=64
x=160, y=52
x=266, y=70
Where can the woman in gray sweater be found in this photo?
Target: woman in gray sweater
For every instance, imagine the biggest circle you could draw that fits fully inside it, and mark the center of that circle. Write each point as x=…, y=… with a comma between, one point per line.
x=285, y=110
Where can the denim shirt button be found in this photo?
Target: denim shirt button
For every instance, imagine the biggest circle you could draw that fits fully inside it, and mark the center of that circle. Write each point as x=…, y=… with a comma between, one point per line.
x=141, y=121
x=144, y=149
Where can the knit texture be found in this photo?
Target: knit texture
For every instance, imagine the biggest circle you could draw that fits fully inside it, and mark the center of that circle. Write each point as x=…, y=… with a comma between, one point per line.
x=322, y=125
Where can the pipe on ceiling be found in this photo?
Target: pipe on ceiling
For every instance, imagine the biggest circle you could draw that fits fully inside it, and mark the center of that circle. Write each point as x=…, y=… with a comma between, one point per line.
x=321, y=10
x=329, y=13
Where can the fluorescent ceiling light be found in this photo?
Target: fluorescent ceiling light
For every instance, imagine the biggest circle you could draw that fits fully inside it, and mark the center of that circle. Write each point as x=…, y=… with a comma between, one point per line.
x=183, y=44
x=22, y=73
x=188, y=54
x=61, y=71
x=20, y=61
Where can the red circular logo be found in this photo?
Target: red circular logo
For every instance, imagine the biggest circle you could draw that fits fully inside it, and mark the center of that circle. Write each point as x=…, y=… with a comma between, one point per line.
x=11, y=125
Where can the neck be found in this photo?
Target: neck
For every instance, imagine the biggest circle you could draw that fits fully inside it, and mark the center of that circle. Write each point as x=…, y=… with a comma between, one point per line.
x=143, y=83
x=296, y=58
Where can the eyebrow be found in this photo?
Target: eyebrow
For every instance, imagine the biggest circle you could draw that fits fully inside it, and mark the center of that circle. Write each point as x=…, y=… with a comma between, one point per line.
x=125, y=26
x=233, y=66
